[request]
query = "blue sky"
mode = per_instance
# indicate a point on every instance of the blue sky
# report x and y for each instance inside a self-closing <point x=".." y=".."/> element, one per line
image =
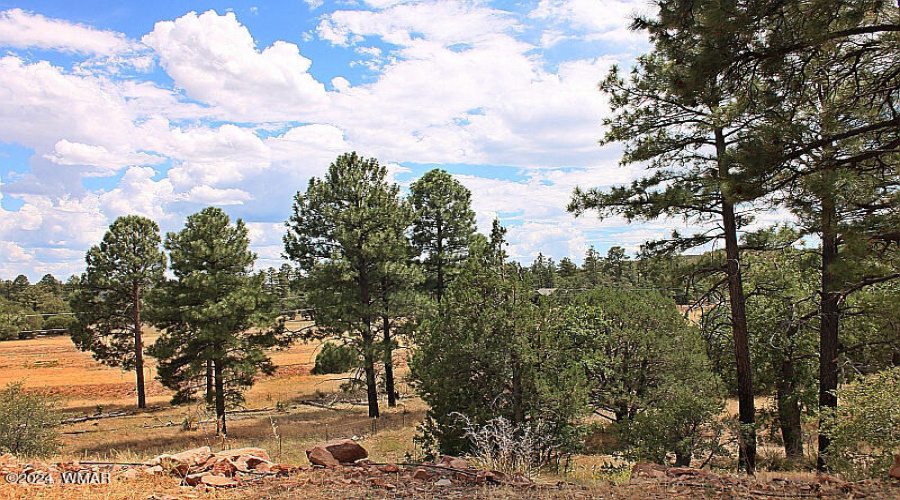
<point x="162" y="108"/>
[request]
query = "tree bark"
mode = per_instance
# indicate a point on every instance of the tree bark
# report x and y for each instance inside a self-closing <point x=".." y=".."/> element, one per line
<point x="389" y="364"/>
<point x="220" y="400"/>
<point x="829" y="323"/>
<point x="210" y="389"/>
<point x="138" y="348"/>
<point x="369" y="368"/>
<point x="789" y="411"/>
<point x="746" y="405"/>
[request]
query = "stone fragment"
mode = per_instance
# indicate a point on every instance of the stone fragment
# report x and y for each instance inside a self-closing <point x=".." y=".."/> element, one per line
<point x="193" y="457"/>
<point x="389" y="468"/>
<point x="256" y="452"/>
<point x="320" y="456"/>
<point x="195" y="479"/>
<point x="422" y="474"/>
<point x="443" y="482"/>
<point x="249" y="462"/>
<point x="453" y="462"/>
<point x="223" y="467"/>
<point x="129" y="474"/>
<point x="218" y="481"/>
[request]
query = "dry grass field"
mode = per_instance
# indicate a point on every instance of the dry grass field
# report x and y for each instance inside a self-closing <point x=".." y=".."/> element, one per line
<point x="286" y="426"/>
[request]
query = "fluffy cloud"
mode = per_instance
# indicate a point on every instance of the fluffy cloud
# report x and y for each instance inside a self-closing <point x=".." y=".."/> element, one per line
<point x="214" y="58"/>
<point x="244" y="126"/>
<point x="23" y="30"/>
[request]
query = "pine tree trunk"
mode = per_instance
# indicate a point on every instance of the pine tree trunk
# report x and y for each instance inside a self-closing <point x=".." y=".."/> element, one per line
<point x="746" y="405"/>
<point x="220" y="399"/>
<point x="369" y="368"/>
<point x="389" y="364"/>
<point x="789" y="411"/>
<point x="210" y="389"/>
<point x="829" y="323"/>
<point x="138" y="348"/>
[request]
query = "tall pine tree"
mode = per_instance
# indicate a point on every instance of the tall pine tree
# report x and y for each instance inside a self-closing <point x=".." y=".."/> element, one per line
<point x="214" y="312"/>
<point x="443" y="224"/>
<point x="111" y="294"/>
<point x="347" y="233"/>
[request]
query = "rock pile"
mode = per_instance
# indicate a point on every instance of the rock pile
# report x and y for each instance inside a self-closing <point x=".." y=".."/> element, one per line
<point x="223" y="469"/>
<point x="348" y="458"/>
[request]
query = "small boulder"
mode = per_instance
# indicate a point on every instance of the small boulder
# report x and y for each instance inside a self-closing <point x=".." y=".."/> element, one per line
<point x="895" y="470"/>
<point x="646" y="469"/>
<point x="345" y="451"/>
<point x="342" y="451"/>
<point x="320" y="456"/>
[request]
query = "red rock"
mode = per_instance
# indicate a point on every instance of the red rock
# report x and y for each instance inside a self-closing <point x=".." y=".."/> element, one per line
<point x="129" y="474"/>
<point x="224" y="467"/>
<point x="645" y="469"/>
<point x="195" y="479"/>
<point x="320" y="456"/>
<point x="234" y="454"/>
<point x="389" y="468"/>
<point x="422" y="474"/>
<point x="895" y="470"/>
<point x="280" y="469"/>
<point x="345" y="451"/>
<point x="193" y="457"/>
<point x="218" y="481"/>
<point x="249" y="462"/>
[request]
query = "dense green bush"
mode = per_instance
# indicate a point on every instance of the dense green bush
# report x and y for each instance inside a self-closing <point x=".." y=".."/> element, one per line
<point x="27" y="422"/>
<point x="334" y="358"/>
<point x="646" y="368"/>
<point x="488" y="353"/>
<point x="865" y="427"/>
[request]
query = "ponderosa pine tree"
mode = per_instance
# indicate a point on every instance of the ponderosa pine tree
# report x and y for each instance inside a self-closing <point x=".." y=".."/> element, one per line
<point x="214" y="312"/>
<point x="347" y="232"/>
<point x="443" y="224"/>
<point x="828" y="148"/>
<point x="684" y="115"/>
<point x="112" y="292"/>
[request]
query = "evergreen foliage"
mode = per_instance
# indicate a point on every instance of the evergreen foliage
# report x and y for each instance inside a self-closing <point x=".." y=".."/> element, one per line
<point x="443" y="224"/>
<point x="488" y="353"/>
<point x="217" y="320"/>
<point x="347" y="232"/>
<point x="27" y="422"/>
<point x="112" y="292"/>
